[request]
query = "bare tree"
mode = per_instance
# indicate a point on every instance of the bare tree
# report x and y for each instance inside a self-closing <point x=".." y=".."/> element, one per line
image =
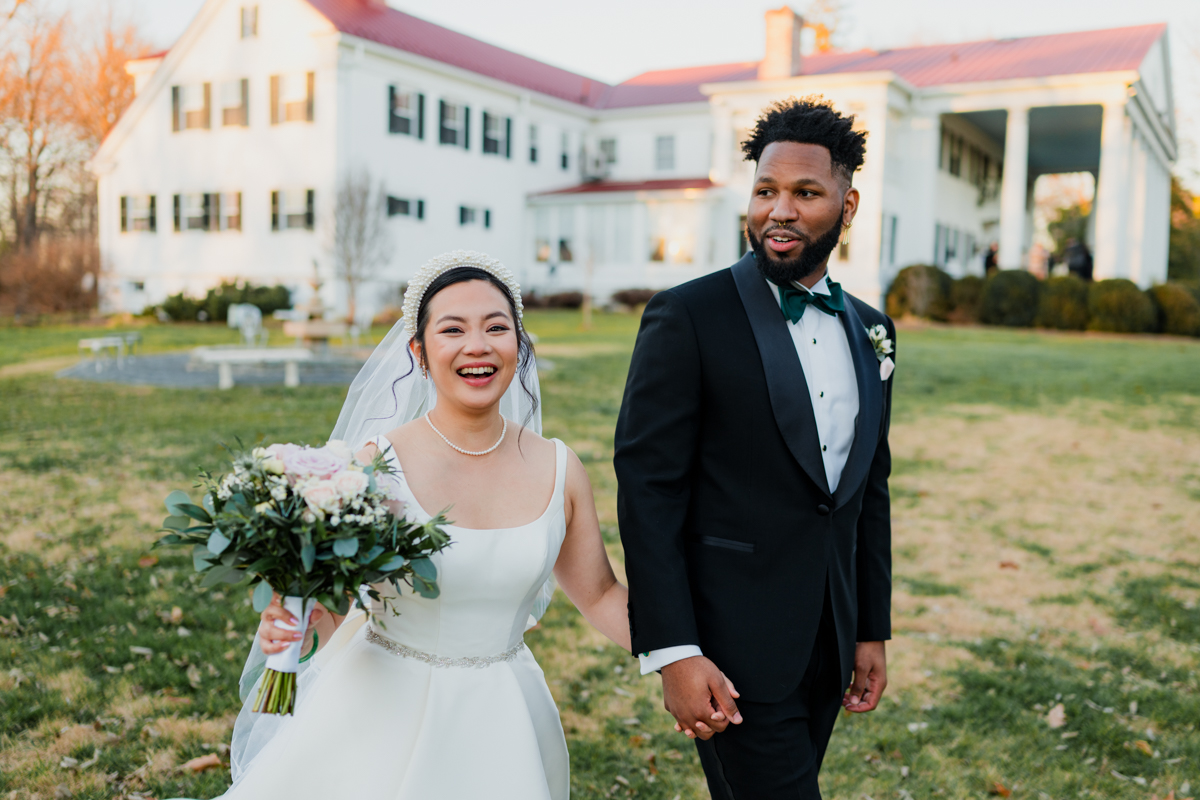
<point x="360" y="241"/>
<point x="827" y="19"/>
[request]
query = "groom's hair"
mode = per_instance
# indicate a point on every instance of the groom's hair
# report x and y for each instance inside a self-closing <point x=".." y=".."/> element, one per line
<point x="810" y="120"/>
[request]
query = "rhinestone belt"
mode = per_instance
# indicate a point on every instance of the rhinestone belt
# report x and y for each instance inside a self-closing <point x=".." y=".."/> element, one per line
<point x="476" y="662"/>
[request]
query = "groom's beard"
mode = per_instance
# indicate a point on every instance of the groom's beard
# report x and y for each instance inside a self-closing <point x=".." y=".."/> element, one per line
<point x="784" y="271"/>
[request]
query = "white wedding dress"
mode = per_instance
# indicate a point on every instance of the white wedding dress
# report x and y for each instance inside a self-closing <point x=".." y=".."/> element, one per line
<point x="445" y="702"/>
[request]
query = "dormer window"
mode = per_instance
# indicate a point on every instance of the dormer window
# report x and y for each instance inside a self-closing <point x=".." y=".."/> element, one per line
<point x="249" y="22"/>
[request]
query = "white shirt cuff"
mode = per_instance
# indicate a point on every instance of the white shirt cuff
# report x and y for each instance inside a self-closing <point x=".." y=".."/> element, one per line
<point x="657" y="659"/>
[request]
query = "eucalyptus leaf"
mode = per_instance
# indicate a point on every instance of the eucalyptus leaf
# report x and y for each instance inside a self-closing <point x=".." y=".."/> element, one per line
<point x="372" y="554"/>
<point x="193" y="511"/>
<point x="346" y="548"/>
<point x="207" y="502"/>
<point x="262" y="596"/>
<point x="217" y="542"/>
<point x="169" y="539"/>
<point x="222" y="574"/>
<point x="425" y="569"/>
<point x="308" y="554"/>
<point x="202" y="557"/>
<point x="177" y="523"/>
<point x="427" y="589"/>
<point x="394" y="563"/>
<point x="174" y="500"/>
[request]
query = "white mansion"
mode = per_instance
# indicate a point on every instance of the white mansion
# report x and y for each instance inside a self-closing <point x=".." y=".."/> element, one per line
<point x="227" y="163"/>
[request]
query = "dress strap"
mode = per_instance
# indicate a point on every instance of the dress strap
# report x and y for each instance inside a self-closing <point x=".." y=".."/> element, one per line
<point x="560" y="471"/>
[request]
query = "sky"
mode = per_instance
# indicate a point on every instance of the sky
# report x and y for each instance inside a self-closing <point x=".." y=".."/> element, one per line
<point x="617" y="39"/>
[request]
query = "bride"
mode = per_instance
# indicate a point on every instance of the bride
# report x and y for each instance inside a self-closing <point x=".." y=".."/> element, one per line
<point x="439" y="698"/>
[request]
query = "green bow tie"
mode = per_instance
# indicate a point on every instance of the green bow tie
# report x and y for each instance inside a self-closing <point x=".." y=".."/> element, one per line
<point x="793" y="301"/>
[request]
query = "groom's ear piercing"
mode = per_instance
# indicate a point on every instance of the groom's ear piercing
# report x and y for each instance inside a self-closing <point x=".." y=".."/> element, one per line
<point x="846" y="233"/>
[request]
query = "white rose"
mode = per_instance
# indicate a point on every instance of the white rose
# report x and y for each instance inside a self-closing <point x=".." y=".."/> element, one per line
<point x="321" y="496"/>
<point x="350" y="484"/>
<point x="340" y="449"/>
<point x="259" y="452"/>
<point x="273" y="466"/>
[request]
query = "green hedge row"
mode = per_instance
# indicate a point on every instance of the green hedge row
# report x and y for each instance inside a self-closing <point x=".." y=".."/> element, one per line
<point x="214" y="306"/>
<point x="1016" y="298"/>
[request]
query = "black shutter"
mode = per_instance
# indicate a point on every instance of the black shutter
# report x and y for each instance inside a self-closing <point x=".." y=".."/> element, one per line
<point x="124" y="214"/>
<point x="245" y="102"/>
<point x="309" y="215"/>
<point x="488" y="144"/>
<point x="508" y="137"/>
<point x="420" y="209"/>
<point x="462" y="215"/>
<point x="178" y="212"/>
<point x="391" y="109"/>
<point x="487" y="218"/>
<point x="420" y="116"/>
<point x="274" y="211"/>
<point x="445" y="135"/>
<point x="466" y="129"/>
<point x="153" y="216"/>
<point x="175" y="109"/>
<point x="206" y="212"/>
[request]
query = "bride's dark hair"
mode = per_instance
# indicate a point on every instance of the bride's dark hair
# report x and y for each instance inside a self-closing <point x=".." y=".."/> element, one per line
<point x="524" y="343"/>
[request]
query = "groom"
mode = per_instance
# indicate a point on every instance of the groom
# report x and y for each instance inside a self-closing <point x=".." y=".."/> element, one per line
<point x="752" y="462"/>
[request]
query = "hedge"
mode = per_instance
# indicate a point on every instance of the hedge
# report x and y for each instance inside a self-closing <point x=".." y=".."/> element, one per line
<point x="920" y="290"/>
<point x="215" y="305"/>
<point x="966" y="297"/>
<point x="1119" y="306"/>
<point x="1178" y="310"/>
<point x="1064" y="304"/>
<point x="1010" y="298"/>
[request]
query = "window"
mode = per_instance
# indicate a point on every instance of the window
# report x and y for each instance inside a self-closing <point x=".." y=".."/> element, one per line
<point x="292" y="97"/>
<point x="566" y="147"/>
<point x="454" y="125"/>
<point x="497" y="131"/>
<point x="190" y="106"/>
<point x="566" y="234"/>
<point x="235" y="102"/>
<point x="406" y="112"/>
<point x="137" y="213"/>
<point x="199" y="211"/>
<point x="664" y="152"/>
<point x="608" y="150"/>
<point x="249" y="22"/>
<point x="229" y="211"/>
<point x="292" y="208"/>
<point x="533" y="144"/>
<point x="672" y="228"/>
<point x="403" y="207"/>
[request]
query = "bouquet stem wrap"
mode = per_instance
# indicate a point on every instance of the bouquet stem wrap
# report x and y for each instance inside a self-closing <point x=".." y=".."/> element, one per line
<point x="277" y="695"/>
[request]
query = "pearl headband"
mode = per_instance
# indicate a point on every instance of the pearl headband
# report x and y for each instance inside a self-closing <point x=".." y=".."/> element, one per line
<point x="455" y="259"/>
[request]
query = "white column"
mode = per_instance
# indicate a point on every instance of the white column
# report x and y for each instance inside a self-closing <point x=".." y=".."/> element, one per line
<point x="722" y="145"/>
<point x="1013" y="189"/>
<point x="1111" y="193"/>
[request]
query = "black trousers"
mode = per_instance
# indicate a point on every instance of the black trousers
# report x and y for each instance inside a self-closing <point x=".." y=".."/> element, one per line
<point x="777" y="751"/>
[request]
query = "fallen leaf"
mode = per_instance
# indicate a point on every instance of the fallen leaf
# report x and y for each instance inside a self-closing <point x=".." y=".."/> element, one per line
<point x="1000" y="789"/>
<point x="637" y="741"/>
<point x="201" y="763"/>
<point x="1009" y="565"/>
<point x="176" y="615"/>
<point x="1144" y="746"/>
<point x="1056" y="717"/>
<point x="147" y="561"/>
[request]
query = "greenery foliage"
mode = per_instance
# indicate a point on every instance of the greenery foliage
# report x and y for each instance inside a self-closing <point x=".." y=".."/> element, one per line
<point x="1064" y="304"/>
<point x="1183" y="258"/>
<point x="966" y="299"/>
<point x="215" y="304"/>
<point x="1119" y="306"/>
<point x="1010" y="298"/>
<point x="1071" y="223"/>
<point x="1178" y="309"/>
<point x="920" y="290"/>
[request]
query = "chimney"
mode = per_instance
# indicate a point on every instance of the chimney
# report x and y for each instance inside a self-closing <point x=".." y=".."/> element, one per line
<point x="782" y="59"/>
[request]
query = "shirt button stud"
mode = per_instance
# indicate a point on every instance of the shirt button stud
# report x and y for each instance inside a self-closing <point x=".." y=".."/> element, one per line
<point x="822" y="394"/>
<point x="823" y="510"/>
<point x="823" y="448"/>
<point x="814" y="341"/>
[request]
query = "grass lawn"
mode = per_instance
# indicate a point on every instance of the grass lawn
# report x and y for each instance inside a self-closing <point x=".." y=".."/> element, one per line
<point x="1047" y="551"/>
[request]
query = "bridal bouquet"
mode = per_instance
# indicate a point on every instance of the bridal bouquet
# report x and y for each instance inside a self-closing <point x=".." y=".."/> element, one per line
<point x="312" y="524"/>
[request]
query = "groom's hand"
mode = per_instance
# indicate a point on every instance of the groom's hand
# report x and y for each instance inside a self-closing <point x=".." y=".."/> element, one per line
<point x="699" y="696"/>
<point x="870" y="677"/>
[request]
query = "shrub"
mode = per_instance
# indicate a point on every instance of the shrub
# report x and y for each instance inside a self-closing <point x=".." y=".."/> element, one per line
<point x="922" y="291"/>
<point x="634" y="297"/>
<point x="564" y="300"/>
<point x="965" y="297"/>
<point x="267" y="298"/>
<point x="1118" y="305"/>
<point x="182" y="308"/>
<point x="1010" y="297"/>
<point x="1064" y="304"/>
<point x="1177" y="308"/>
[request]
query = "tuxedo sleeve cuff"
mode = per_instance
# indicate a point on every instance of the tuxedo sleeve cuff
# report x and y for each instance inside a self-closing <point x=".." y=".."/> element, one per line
<point x="657" y="659"/>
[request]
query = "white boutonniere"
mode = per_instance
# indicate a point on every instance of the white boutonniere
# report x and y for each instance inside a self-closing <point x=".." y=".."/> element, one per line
<point x="883" y="348"/>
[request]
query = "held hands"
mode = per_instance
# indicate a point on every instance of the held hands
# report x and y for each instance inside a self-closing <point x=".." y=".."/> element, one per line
<point x="870" y="678"/>
<point x="274" y="639"/>
<point x="699" y="696"/>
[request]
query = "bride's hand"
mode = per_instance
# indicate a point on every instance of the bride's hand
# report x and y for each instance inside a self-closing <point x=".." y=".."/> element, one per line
<point x="275" y="639"/>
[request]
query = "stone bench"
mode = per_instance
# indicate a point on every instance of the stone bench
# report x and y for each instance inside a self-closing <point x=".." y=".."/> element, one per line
<point x="225" y="360"/>
<point x="100" y="345"/>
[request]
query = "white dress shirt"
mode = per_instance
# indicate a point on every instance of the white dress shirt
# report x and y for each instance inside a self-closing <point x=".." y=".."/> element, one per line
<point x="824" y="352"/>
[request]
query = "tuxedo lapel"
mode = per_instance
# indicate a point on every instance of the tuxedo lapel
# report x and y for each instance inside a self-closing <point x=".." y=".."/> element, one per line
<point x="786" y="385"/>
<point x="870" y="406"/>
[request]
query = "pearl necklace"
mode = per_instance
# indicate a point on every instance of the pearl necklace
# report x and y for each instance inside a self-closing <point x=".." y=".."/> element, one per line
<point x="503" y="431"/>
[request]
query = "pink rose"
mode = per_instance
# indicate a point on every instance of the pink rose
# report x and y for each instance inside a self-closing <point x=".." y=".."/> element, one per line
<point x="322" y="497"/>
<point x="313" y="462"/>
<point x="283" y="450"/>
<point x="350" y="484"/>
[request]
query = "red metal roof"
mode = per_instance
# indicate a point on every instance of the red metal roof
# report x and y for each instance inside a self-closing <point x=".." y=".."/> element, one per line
<point x="933" y="65"/>
<point x="635" y="186"/>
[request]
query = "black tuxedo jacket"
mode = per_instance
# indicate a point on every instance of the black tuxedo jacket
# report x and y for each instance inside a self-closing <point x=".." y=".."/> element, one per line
<point x="730" y="531"/>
